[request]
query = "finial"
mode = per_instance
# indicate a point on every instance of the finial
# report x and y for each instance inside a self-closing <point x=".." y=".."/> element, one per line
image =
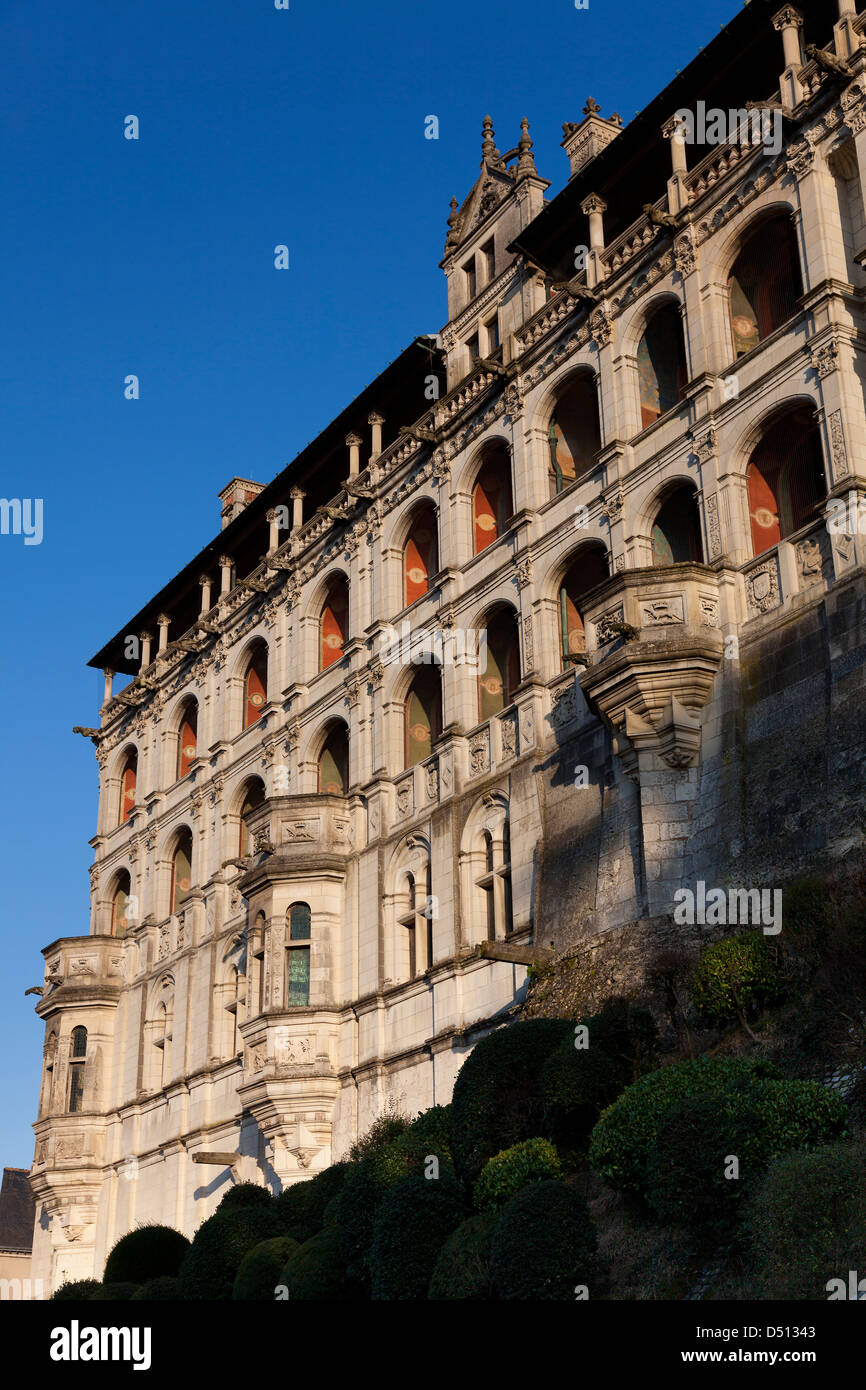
<point x="526" y="163"/>
<point x="488" y="145"/>
<point x="592" y="108"/>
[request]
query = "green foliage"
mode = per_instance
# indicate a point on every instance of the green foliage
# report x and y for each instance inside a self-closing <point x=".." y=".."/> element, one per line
<point x="735" y="974"/>
<point x="301" y="1207"/>
<point x="260" y="1268"/>
<point x="578" y="1082"/>
<point x="806" y="1223"/>
<point x="245" y="1194"/>
<point x="362" y="1192"/>
<point x="316" y="1271"/>
<point x="497" y="1097"/>
<point x="77" y="1291"/>
<point x="121" y="1291"/>
<point x="414" y="1220"/>
<point x="331" y="1214"/>
<point x="146" y="1253"/>
<point x="164" y="1289"/>
<point x="544" y="1245"/>
<point x="219" y="1246"/>
<point x="514" y="1168"/>
<point x="687" y="1165"/>
<point x="797" y="1115"/>
<point x="379" y="1135"/>
<point x="463" y="1266"/>
<point x="626" y="1131"/>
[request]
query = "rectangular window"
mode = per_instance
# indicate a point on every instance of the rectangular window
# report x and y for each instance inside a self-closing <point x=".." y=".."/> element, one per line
<point x="473" y="348"/>
<point x="491" y="911"/>
<point x="489" y="259"/>
<point x="471" y="282"/>
<point x="76" y="1087"/>
<point x="412" y="957"/>
<point x="491" y="331"/>
<point x="299" y="976"/>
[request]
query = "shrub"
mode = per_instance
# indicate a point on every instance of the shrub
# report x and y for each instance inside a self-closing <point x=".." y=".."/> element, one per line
<point x="626" y="1131"/>
<point x="544" y="1245"/>
<point x="218" y="1247"/>
<point x="245" y="1194"/>
<point x="259" y="1270"/>
<point x="734" y="975"/>
<point x="316" y="1271"/>
<point x="146" y="1253"/>
<point x="514" y="1168"/>
<point x="301" y="1207"/>
<point x="686" y="1167"/>
<point x="387" y="1127"/>
<point x="463" y="1267"/>
<point x="414" y="1220"/>
<point x="806" y="1222"/>
<point x="331" y="1214"/>
<point x="76" y="1290"/>
<point x="121" y="1291"/>
<point x="497" y="1098"/>
<point x="429" y="1134"/>
<point x="797" y="1115"/>
<point x="362" y="1192"/>
<point x="163" y="1289"/>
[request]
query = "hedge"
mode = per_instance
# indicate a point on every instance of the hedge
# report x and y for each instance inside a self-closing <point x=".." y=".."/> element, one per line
<point x="514" y="1168"/>
<point x="463" y="1266"/>
<point x="316" y="1271"/>
<point x="497" y="1100"/>
<point x="218" y="1247"/>
<point x="259" y="1271"/>
<point x="544" y="1246"/>
<point x="146" y="1253"/>
<point x="245" y="1194"/>
<point x="163" y="1289"/>
<point x="76" y="1290"/>
<point x="414" y="1220"/>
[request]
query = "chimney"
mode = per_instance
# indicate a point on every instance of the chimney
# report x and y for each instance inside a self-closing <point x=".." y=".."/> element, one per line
<point x="584" y="141"/>
<point x="235" y="496"/>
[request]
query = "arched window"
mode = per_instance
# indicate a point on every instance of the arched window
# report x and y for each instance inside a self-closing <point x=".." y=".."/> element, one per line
<point x="765" y="283"/>
<point x="120" y="906"/>
<point x="586" y="571"/>
<point x="253" y="797"/>
<point x="494" y="882"/>
<point x="181" y="870"/>
<point x="334" y="623"/>
<point x="574" y="435"/>
<point x="500" y="677"/>
<point x="77" y="1062"/>
<point x="334" y="762"/>
<point x="256" y="685"/>
<point x="786" y="479"/>
<point x="420" y="555"/>
<point x="415" y="917"/>
<point x="661" y="361"/>
<point x="235" y="1008"/>
<point x="676" y="533"/>
<point x="186" y="739"/>
<point x="127" y="786"/>
<point x="298" y="955"/>
<point x="491" y="498"/>
<point x="423" y="715"/>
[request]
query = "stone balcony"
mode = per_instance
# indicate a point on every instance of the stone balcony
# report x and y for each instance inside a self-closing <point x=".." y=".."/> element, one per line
<point x="82" y="970"/>
<point x="312" y="830"/>
<point x="653" y="647"/>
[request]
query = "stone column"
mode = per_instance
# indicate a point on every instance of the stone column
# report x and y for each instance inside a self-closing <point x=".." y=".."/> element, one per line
<point x="225" y="564"/>
<point x="206" y="584"/>
<point x="146" y="639"/>
<point x="297" y="497"/>
<point x="109" y="681"/>
<point x="353" y="442"/>
<point x="846" y="38"/>
<point x="787" y="22"/>
<point x="594" y="208"/>
<point x="273" y="530"/>
<point x="375" y="422"/>
<point x="678" y="196"/>
<point x="163" y="623"/>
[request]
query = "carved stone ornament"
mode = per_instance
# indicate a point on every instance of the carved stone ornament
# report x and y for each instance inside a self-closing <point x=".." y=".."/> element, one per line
<point x="762" y="588"/>
<point x="825" y="359"/>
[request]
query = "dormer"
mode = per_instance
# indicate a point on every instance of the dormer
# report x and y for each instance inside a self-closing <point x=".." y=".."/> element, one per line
<point x="506" y="196"/>
<point x="582" y="141"/>
<point x="235" y="496"/>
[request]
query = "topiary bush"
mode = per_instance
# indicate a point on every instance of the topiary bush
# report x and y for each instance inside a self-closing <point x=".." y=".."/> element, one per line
<point x="245" y="1194"/>
<point x="146" y="1253"/>
<point x="735" y="975"/>
<point x="164" y="1289"/>
<point x="119" y="1292"/>
<point x="627" y="1130"/>
<point x="514" y="1168"/>
<point x="428" y="1135"/>
<point x="497" y="1100"/>
<point x="806" y="1223"/>
<point x="544" y="1246"/>
<point x="797" y="1115"/>
<point x="316" y="1271"/>
<point x="414" y="1220"/>
<point x="689" y="1179"/>
<point x="301" y="1207"/>
<point x="463" y="1266"/>
<point x="76" y="1290"/>
<point x="362" y="1192"/>
<point x="259" y="1270"/>
<point x="219" y="1246"/>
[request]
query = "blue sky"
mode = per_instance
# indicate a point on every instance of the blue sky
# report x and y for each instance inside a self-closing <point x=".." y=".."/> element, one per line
<point x="155" y="257"/>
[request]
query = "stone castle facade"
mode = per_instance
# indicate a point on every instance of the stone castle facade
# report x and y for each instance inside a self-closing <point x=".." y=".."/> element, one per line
<point x="551" y="621"/>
